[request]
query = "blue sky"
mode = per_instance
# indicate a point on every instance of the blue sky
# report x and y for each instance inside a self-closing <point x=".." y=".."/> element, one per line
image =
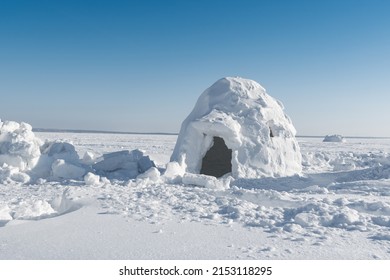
<point x="141" y="65"/>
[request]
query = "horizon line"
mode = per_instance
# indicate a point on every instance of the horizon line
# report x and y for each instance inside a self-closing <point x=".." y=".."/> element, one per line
<point x="59" y="130"/>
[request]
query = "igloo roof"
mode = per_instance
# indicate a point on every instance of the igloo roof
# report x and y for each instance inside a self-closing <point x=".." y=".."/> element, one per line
<point x="252" y="124"/>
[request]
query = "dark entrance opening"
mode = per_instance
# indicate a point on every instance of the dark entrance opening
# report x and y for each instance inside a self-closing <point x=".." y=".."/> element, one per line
<point x="218" y="160"/>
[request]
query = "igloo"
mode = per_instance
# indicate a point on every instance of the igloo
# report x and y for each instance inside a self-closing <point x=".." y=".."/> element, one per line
<point x="237" y="128"/>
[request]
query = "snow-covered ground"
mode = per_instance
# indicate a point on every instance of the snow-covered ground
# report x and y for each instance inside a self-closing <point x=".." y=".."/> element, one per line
<point x="338" y="209"/>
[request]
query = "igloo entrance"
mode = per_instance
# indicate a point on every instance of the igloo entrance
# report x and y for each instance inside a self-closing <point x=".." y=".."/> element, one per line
<point x="218" y="159"/>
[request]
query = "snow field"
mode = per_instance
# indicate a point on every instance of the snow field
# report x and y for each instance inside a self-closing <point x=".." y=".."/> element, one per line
<point x="343" y="198"/>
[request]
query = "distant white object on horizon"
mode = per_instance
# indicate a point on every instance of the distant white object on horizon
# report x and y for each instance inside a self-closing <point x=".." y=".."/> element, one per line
<point x="237" y="127"/>
<point x="334" y="138"/>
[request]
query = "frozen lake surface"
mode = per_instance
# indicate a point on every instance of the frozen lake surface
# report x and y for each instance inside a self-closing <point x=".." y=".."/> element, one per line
<point x="338" y="209"/>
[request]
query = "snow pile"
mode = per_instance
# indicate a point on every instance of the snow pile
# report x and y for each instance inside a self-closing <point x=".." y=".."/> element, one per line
<point x="251" y="123"/>
<point x="334" y="138"/>
<point x="25" y="158"/>
<point x="59" y="161"/>
<point x="18" y="146"/>
<point x="19" y="151"/>
<point x="30" y="210"/>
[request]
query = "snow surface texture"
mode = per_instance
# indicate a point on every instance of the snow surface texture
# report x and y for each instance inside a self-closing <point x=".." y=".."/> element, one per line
<point x="338" y="209"/>
<point x="334" y="138"/>
<point x="252" y="124"/>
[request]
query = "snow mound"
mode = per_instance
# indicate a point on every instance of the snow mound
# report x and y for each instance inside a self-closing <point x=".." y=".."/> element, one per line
<point x="60" y="150"/>
<point x="18" y="145"/>
<point x="25" y="158"/>
<point x="59" y="161"/>
<point x="33" y="210"/>
<point x="64" y="170"/>
<point x="334" y="138"/>
<point x="252" y="124"/>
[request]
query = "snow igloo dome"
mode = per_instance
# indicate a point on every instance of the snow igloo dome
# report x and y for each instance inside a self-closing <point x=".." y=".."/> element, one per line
<point x="237" y="128"/>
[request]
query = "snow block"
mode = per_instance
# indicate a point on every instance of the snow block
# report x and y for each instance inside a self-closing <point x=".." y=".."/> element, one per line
<point x="173" y="170"/>
<point x="152" y="174"/>
<point x="91" y="179"/>
<point x="145" y="164"/>
<point x="237" y="127"/>
<point x="123" y="164"/>
<point x="50" y="153"/>
<point x="58" y="149"/>
<point x="119" y="160"/>
<point x="88" y="158"/>
<point x="64" y="170"/>
<point x="202" y="180"/>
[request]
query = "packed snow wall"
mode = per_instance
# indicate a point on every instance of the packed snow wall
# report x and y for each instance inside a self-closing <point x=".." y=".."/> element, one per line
<point x="252" y="125"/>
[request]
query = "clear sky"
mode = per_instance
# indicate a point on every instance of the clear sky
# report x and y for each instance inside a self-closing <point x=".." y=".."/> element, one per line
<point x="140" y="65"/>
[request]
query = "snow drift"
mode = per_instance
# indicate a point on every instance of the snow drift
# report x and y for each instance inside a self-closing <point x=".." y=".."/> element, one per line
<point x="256" y="136"/>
